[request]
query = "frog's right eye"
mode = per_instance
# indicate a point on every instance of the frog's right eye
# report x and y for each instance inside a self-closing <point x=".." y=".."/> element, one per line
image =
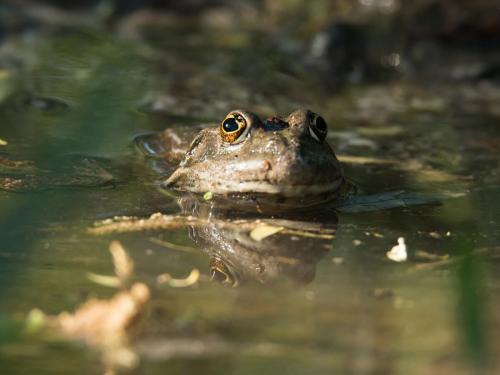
<point x="234" y="128"/>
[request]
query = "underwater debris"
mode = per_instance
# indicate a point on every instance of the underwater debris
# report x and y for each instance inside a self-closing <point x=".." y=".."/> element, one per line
<point x="191" y="279"/>
<point x="102" y="324"/>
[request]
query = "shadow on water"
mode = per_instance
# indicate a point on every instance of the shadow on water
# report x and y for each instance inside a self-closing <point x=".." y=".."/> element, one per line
<point x="472" y="303"/>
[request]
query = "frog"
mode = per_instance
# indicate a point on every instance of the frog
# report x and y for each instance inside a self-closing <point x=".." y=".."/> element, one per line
<point x="268" y="175"/>
<point x="281" y="163"/>
<point x="283" y="168"/>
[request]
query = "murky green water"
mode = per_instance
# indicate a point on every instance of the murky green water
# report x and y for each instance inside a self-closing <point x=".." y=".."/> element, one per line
<point x="361" y="314"/>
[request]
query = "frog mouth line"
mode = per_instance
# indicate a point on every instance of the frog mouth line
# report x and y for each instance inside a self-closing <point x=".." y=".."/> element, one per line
<point x="258" y="187"/>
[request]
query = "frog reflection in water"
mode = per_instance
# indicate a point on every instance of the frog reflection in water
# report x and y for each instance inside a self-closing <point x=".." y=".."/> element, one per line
<point x="252" y="169"/>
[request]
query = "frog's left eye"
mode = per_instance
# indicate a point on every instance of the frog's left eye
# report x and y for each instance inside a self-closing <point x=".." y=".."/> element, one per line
<point x="234" y="128"/>
<point x="318" y="127"/>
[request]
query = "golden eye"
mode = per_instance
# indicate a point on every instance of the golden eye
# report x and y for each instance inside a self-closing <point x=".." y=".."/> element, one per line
<point x="317" y="127"/>
<point x="234" y="128"/>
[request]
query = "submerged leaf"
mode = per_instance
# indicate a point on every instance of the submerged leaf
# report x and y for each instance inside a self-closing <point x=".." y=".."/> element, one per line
<point x="105" y="280"/>
<point x="173" y="246"/>
<point x="124" y="266"/>
<point x="192" y="279"/>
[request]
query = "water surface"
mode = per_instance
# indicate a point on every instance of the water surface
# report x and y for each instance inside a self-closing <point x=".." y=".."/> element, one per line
<point x="89" y="95"/>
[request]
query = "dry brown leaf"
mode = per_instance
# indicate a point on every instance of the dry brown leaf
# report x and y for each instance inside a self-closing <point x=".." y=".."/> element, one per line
<point x="102" y="324"/>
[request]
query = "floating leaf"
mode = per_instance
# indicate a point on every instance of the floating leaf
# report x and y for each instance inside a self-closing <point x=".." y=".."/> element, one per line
<point x="398" y="253"/>
<point x="208" y="196"/>
<point x="264" y="231"/>
<point x="3" y="142"/>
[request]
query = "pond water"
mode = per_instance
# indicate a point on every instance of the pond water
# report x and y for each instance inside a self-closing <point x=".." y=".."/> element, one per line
<point x="74" y="111"/>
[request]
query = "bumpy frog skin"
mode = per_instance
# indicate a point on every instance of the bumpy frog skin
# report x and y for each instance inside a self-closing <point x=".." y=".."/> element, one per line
<point x="281" y="157"/>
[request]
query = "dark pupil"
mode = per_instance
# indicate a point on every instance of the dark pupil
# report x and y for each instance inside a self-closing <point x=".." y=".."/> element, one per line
<point x="320" y="124"/>
<point x="230" y="125"/>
